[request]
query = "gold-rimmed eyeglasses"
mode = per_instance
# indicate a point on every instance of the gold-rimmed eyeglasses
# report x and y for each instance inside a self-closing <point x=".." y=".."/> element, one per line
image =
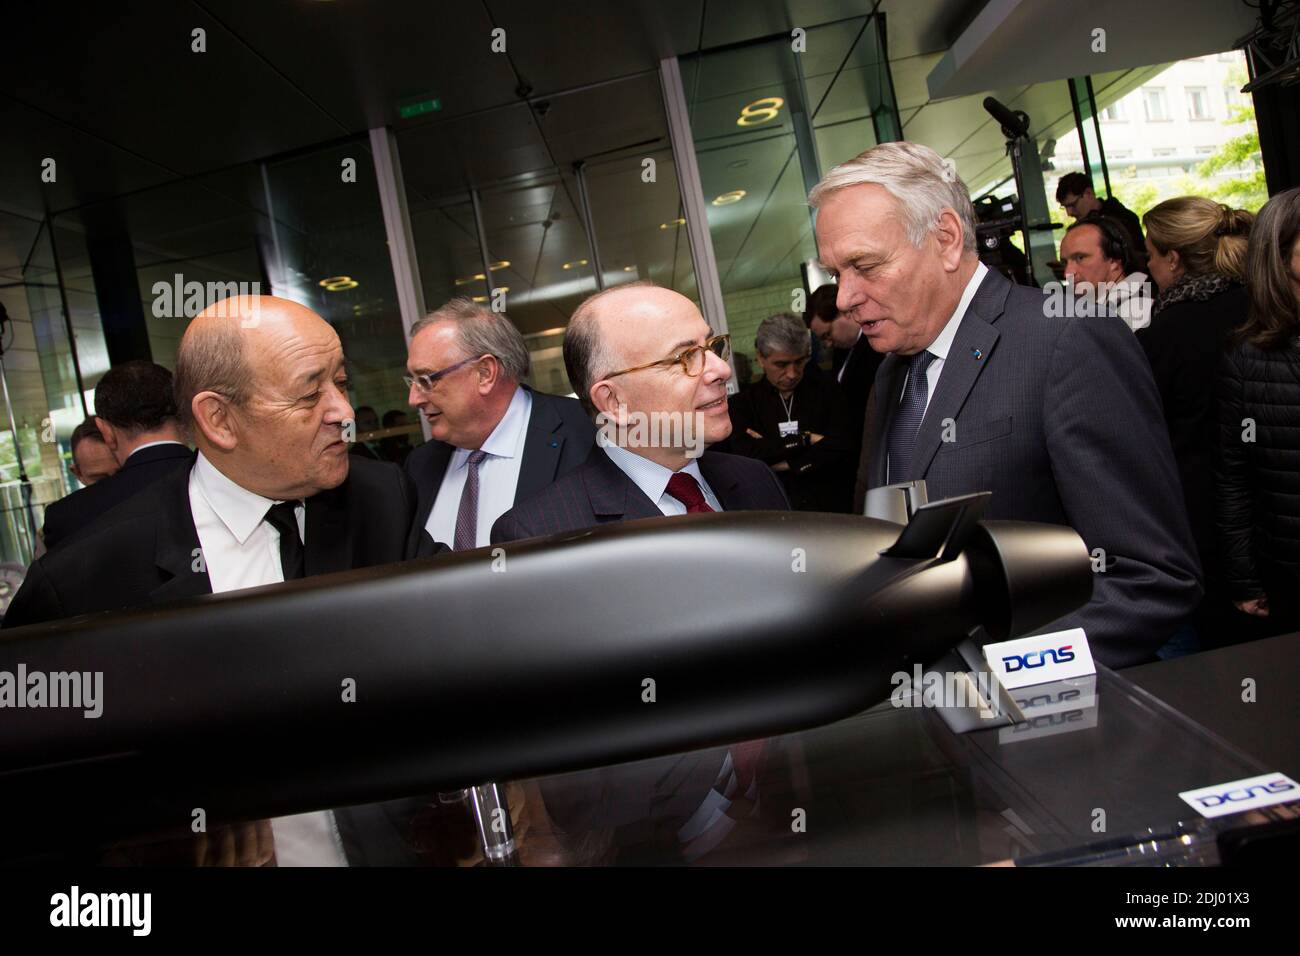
<point x="691" y="360"/>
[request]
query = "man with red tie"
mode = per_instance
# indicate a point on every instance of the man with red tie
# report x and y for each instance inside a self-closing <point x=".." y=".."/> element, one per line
<point x="645" y="364"/>
<point x="638" y="355"/>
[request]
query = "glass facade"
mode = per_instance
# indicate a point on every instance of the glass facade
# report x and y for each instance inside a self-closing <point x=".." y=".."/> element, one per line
<point x="768" y="120"/>
<point x="557" y="198"/>
<point x="533" y="205"/>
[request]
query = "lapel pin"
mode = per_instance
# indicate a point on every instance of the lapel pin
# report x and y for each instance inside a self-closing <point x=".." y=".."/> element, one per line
<point x="977" y="353"/>
<point x="555" y="444"/>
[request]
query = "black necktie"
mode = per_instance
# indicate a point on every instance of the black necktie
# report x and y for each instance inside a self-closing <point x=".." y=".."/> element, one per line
<point x="907" y="420"/>
<point x="292" y="555"/>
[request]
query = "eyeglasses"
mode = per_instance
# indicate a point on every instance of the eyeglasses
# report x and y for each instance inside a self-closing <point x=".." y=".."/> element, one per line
<point x="426" y="383"/>
<point x="691" y="360"/>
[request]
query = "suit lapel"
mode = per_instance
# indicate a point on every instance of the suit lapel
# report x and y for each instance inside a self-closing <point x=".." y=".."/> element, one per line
<point x="967" y="358"/>
<point x="728" y="488"/>
<point x="327" y="543"/>
<point x="889" y="383"/>
<point x="543" y="445"/>
<point x="176" y="543"/>
<point x="613" y="495"/>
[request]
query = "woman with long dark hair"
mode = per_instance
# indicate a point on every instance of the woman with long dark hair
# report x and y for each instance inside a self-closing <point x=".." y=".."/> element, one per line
<point x="1258" y="468"/>
<point x="1197" y="257"/>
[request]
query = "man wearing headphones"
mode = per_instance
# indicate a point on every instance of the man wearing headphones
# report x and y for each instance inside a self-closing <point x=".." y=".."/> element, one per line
<point x="1099" y="263"/>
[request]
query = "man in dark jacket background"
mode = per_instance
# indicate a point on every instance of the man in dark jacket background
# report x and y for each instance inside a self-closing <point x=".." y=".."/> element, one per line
<point x="136" y="416"/>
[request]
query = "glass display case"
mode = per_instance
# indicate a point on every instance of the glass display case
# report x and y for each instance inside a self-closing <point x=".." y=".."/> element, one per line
<point x="1094" y="780"/>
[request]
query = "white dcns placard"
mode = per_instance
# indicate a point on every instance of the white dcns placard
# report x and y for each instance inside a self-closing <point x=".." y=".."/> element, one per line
<point x="1041" y="658"/>
<point x="1239" y="795"/>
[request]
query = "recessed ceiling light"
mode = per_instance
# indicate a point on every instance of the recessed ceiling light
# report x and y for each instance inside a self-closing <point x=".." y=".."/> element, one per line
<point x="671" y="223"/>
<point x="738" y="164"/>
<point x="760" y="111"/>
<point x="726" y="199"/>
<point x="480" y="277"/>
<point x="574" y="264"/>
<point x="629" y="268"/>
<point x="483" y="298"/>
<point x="338" y="283"/>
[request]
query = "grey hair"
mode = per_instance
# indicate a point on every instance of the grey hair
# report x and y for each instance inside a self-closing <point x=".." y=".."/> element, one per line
<point x="922" y="181"/>
<point x="587" y="359"/>
<point x="782" y="332"/>
<point x="481" y="331"/>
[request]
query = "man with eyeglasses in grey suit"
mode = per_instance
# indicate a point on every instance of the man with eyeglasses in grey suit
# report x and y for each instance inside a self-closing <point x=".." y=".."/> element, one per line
<point x="495" y="440"/>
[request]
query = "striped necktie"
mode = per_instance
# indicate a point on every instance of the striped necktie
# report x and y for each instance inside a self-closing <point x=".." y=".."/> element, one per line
<point x="466" y="537"/>
<point x="907" y="420"/>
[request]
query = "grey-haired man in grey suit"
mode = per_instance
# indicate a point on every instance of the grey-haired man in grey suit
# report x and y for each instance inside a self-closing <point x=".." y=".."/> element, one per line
<point x="987" y="387"/>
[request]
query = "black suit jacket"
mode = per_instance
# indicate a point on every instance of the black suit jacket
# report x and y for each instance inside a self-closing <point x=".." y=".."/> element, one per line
<point x="80" y="509"/>
<point x="560" y="434"/>
<point x="859" y="374"/>
<point x="145" y="551"/>
<point x="598" y="492"/>
<point x="1059" y="417"/>
<point x="1186" y="344"/>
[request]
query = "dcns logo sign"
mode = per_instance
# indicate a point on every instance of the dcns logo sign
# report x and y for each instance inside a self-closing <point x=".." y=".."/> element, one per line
<point x="1245" y="793"/>
<point x="1060" y="655"/>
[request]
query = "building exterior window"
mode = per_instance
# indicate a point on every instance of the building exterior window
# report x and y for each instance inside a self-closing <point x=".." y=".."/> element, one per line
<point x="1114" y="112"/>
<point x="1198" y="103"/>
<point x="1153" y="99"/>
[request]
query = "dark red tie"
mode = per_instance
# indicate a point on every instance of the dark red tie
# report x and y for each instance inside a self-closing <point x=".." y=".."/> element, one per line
<point x="687" y="490"/>
<point x="745" y="757"/>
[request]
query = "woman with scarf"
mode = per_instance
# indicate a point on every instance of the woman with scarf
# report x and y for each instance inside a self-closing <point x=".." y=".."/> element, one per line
<point x="1258" y="471"/>
<point x="1197" y="257"/>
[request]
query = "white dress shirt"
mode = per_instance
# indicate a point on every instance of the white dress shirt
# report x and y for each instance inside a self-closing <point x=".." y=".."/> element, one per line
<point x="498" y="475"/>
<point x="1131" y="299"/>
<point x="839" y="376"/>
<point x="652" y="478"/>
<point x="943" y="341"/>
<point x="150" y="444"/>
<point x="241" y="550"/>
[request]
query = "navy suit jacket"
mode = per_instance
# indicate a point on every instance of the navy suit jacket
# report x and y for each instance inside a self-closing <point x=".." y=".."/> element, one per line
<point x="1060" y="418"/>
<point x="646" y="801"/>
<point x="598" y="492"/>
<point x="560" y="434"/>
<point x="67" y="516"/>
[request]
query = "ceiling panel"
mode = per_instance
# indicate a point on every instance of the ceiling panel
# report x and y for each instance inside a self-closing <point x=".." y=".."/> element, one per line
<point x="127" y="74"/>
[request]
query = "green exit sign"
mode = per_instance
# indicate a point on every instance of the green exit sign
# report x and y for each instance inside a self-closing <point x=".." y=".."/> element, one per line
<point x="419" y="107"/>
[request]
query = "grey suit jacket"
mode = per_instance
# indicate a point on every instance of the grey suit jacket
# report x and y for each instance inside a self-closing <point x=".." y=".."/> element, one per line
<point x="1060" y="419"/>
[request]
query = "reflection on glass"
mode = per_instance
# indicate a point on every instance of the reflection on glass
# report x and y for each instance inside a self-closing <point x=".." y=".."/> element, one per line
<point x="757" y="158"/>
<point x="330" y="253"/>
<point x="534" y="238"/>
